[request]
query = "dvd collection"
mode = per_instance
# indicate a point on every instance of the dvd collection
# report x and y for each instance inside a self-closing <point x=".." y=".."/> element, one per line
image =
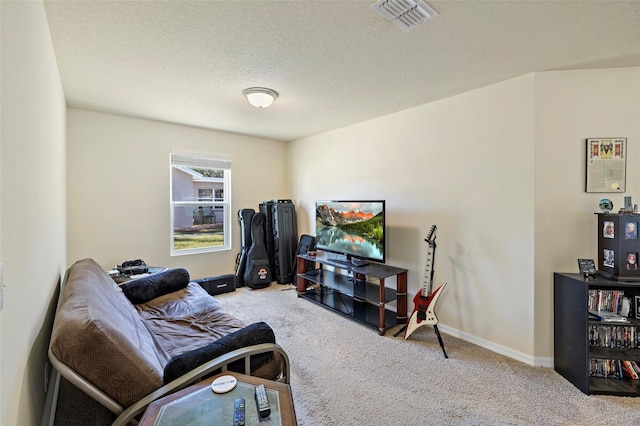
<point x="614" y="369"/>
<point x="605" y="300"/>
<point x="606" y="306"/>
<point x="611" y="336"/>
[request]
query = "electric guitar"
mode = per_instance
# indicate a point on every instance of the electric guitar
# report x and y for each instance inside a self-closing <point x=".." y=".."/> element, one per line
<point x="425" y="300"/>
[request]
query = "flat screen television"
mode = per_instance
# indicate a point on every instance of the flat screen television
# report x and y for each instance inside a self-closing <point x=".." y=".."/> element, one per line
<point x="353" y="228"/>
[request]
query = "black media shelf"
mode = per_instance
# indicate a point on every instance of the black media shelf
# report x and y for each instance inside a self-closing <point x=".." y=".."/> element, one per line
<point x="574" y="352"/>
<point x="629" y="354"/>
<point x="346" y="305"/>
<point x="360" y="289"/>
<point x="616" y="387"/>
<point x="357" y="292"/>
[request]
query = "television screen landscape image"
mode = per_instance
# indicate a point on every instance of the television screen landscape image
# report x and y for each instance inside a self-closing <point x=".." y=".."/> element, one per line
<point x="352" y="228"/>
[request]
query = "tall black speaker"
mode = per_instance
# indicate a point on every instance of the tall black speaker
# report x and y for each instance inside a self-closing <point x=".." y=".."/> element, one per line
<point x="281" y="216"/>
<point x="285" y="240"/>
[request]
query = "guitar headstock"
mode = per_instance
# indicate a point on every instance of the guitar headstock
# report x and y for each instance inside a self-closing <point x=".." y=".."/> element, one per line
<point x="430" y="238"/>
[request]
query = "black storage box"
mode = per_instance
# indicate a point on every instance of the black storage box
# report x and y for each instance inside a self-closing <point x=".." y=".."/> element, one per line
<point x="218" y="285"/>
<point x="618" y="246"/>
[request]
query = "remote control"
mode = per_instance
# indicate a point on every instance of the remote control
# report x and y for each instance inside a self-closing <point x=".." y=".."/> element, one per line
<point x="262" y="402"/>
<point x="238" y="412"/>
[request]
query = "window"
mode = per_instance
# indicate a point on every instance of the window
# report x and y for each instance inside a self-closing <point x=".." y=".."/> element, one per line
<point x="200" y="203"/>
<point x="205" y="194"/>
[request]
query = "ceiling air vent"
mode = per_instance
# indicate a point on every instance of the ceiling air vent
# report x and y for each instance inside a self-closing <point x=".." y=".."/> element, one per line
<point x="407" y="14"/>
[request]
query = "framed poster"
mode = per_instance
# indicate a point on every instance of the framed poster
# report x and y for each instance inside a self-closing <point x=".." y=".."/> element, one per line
<point x="606" y="165"/>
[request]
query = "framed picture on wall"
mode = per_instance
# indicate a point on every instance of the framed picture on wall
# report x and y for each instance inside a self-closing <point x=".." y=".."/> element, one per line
<point x="606" y="169"/>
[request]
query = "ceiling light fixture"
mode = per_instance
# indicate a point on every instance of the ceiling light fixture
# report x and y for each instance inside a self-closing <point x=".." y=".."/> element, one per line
<point x="407" y="14"/>
<point x="260" y="97"/>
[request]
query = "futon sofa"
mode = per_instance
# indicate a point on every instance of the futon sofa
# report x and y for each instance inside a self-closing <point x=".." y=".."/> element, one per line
<point x="129" y="344"/>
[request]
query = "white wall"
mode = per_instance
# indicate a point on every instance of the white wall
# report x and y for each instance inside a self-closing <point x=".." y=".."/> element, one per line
<point x="500" y="170"/>
<point x="118" y="187"/>
<point x="33" y="211"/>
<point x="466" y="164"/>
<point x="572" y="106"/>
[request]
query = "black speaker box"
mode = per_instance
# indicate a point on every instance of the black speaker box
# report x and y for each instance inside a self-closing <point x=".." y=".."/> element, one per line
<point x="218" y="285"/>
<point x="307" y="243"/>
<point x="285" y="240"/>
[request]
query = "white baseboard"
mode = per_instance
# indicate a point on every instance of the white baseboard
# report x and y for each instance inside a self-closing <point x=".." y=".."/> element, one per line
<point x="502" y="350"/>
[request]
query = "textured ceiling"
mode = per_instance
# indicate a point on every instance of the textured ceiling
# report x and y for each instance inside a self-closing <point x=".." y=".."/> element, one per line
<point x="334" y="63"/>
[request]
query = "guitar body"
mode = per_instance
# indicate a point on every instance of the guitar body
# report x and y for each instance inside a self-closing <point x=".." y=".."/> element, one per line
<point x="424" y="312"/>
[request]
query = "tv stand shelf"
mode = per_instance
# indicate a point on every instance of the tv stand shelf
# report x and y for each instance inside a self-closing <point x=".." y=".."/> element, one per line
<point x="354" y="295"/>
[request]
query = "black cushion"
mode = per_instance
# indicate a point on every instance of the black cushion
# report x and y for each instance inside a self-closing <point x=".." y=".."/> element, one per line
<point x="141" y="290"/>
<point x="253" y="334"/>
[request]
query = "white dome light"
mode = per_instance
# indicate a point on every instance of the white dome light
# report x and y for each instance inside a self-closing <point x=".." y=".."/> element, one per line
<point x="260" y="97"/>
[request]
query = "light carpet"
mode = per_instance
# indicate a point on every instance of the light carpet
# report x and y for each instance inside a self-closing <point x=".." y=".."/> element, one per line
<point x="344" y="373"/>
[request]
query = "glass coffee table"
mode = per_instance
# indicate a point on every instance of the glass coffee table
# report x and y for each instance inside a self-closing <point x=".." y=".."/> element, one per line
<point x="198" y="405"/>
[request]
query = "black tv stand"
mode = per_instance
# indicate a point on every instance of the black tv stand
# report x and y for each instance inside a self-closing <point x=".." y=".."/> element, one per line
<point x="351" y="261"/>
<point x="360" y="293"/>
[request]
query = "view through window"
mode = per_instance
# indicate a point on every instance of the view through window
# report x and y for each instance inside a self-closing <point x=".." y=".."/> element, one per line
<point x="200" y="203"/>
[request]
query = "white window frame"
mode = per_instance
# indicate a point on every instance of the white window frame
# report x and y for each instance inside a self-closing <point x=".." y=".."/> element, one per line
<point x="204" y="161"/>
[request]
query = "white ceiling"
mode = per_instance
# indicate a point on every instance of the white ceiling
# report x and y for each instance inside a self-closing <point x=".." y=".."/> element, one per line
<point x="334" y="63"/>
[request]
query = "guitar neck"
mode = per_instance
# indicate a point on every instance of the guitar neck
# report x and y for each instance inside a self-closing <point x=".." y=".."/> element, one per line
<point x="427" y="282"/>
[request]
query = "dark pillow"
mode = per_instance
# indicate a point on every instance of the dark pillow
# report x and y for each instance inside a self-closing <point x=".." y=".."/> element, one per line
<point x="141" y="290"/>
<point x="253" y="334"/>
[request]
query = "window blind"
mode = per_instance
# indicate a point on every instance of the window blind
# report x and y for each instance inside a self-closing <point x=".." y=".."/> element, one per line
<point x="201" y="160"/>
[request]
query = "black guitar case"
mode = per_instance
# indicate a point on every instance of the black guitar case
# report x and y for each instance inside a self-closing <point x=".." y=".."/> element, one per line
<point x="266" y="207"/>
<point x="281" y="237"/>
<point x="285" y="236"/>
<point x="257" y="273"/>
<point x="244" y="217"/>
